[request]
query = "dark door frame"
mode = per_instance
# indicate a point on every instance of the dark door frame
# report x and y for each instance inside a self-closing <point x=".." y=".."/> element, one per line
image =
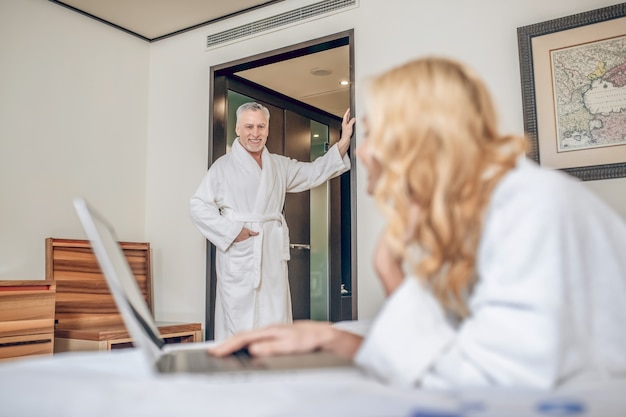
<point x="217" y="147"/>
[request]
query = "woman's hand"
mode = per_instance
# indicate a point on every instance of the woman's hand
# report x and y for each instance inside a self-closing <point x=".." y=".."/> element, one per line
<point x="299" y="337"/>
<point x="388" y="266"/>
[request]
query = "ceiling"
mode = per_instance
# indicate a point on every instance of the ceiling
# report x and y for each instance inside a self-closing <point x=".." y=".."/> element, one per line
<point x="315" y="79"/>
<point x="153" y="20"/>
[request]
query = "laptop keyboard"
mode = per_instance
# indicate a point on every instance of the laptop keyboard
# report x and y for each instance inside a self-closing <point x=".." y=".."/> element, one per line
<point x="202" y="361"/>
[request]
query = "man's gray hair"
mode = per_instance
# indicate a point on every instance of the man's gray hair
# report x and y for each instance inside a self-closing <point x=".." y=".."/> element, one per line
<point x="254" y="107"/>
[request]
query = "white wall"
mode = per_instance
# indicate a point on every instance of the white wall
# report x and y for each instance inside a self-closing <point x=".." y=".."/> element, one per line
<point x="73" y="121"/>
<point x="480" y="32"/>
<point x="87" y="109"/>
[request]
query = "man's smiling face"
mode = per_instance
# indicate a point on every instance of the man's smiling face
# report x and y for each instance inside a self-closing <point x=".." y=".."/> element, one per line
<point x="252" y="129"/>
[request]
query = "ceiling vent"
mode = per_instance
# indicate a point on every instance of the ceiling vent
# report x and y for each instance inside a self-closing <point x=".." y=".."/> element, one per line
<point x="306" y="12"/>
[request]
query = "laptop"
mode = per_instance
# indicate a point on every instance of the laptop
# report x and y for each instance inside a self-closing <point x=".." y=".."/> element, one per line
<point x="181" y="357"/>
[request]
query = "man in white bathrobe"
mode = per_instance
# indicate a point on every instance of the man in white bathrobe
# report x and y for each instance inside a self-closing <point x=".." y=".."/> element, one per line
<point x="238" y="207"/>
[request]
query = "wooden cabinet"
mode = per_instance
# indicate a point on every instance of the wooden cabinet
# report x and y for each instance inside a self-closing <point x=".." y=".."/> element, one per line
<point x="26" y="318"/>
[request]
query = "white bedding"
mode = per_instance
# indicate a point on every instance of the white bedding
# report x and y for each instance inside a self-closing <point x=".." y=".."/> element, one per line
<point x="121" y="383"/>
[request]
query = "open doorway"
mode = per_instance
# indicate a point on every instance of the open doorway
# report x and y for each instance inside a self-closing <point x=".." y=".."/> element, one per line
<point x="315" y="113"/>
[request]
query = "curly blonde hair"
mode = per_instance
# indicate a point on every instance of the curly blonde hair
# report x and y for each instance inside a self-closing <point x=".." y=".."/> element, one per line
<point x="432" y="128"/>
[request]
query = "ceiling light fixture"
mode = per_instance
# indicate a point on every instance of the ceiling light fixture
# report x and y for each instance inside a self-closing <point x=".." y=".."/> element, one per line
<point x="321" y="71"/>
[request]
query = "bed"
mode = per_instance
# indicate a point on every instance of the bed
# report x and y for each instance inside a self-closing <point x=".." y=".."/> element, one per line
<point x="122" y="383"/>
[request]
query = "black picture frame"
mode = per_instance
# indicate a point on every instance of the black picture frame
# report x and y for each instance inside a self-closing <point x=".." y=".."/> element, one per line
<point x="525" y="36"/>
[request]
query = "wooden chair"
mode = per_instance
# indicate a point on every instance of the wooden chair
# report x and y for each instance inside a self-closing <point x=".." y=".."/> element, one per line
<point x="86" y="317"/>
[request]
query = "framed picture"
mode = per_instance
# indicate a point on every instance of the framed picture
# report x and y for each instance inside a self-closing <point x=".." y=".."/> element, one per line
<point x="573" y="74"/>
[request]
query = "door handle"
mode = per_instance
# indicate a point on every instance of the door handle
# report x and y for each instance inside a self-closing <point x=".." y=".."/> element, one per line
<point x="299" y="246"/>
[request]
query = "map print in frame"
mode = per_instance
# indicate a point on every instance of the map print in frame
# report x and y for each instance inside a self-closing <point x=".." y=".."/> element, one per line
<point x="589" y="84"/>
<point x="569" y="69"/>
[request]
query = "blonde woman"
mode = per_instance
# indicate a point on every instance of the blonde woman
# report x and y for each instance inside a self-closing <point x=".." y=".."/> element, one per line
<point x="498" y="272"/>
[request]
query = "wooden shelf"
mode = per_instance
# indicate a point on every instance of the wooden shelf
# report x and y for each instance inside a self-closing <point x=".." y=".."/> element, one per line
<point x="26" y="318"/>
<point x="114" y="336"/>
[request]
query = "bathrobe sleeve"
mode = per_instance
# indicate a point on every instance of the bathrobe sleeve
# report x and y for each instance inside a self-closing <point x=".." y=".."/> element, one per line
<point x="408" y="334"/>
<point x="204" y="208"/>
<point x="302" y="176"/>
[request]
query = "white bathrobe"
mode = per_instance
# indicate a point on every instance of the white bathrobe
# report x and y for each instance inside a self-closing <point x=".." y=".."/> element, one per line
<point x="549" y="308"/>
<point x="252" y="281"/>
